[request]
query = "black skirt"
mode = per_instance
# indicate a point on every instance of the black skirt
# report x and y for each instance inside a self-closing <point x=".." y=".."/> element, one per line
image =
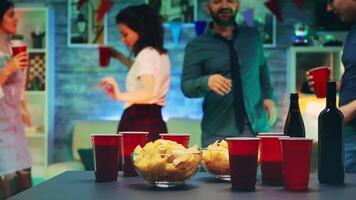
<point x="143" y="117"/>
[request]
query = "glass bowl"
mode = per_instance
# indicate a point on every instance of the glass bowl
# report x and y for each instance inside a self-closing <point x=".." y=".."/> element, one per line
<point x="167" y="169"/>
<point x="216" y="162"/>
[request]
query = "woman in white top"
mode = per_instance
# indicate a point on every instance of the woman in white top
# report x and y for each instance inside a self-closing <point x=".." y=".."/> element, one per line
<point x="15" y="159"/>
<point x="148" y="79"/>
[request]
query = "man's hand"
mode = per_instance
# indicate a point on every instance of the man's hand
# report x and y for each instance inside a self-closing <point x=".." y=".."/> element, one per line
<point x="219" y="84"/>
<point x="271" y="110"/>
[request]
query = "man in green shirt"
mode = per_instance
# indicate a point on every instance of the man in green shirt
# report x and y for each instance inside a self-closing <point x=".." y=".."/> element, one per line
<point x="227" y="67"/>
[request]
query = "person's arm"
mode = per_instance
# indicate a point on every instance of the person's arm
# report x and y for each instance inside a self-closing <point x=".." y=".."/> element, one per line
<point x="143" y="95"/>
<point x="4" y="74"/>
<point x="338" y="86"/>
<point x="349" y="111"/>
<point x="26" y="115"/>
<point x="193" y="83"/>
<point x="147" y="64"/>
<point x="265" y="78"/>
<point x="15" y="64"/>
<point x="267" y="89"/>
<point x="126" y="61"/>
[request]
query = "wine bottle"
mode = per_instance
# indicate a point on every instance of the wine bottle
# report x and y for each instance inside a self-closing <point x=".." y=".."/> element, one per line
<point x="294" y="125"/>
<point x="330" y="141"/>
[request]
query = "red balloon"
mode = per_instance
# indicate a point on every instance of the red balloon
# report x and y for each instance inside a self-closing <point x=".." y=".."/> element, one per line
<point x="104" y="7"/>
<point x="273" y="6"/>
<point x="81" y="3"/>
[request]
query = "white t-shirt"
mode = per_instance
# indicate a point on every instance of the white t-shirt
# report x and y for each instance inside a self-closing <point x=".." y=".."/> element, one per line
<point x="150" y="62"/>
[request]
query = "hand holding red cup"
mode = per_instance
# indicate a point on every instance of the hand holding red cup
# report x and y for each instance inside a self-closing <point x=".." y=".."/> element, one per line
<point x="19" y="51"/>
<point x="317" y="79"/>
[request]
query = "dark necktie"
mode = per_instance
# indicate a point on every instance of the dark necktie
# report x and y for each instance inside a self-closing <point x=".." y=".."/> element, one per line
<point x="236" y="82"/>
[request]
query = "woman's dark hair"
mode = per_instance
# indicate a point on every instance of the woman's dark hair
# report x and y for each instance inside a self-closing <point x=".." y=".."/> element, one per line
<point x="4" y="6"/>
<point x="146" y="22"/>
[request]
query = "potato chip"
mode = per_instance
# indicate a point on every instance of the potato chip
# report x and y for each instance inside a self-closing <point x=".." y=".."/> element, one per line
<point x="165" y="160"/>
<point x="216" y="158"/>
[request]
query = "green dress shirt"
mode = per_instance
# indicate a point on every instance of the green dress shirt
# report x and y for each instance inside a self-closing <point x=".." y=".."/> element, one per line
<point x="207" y="55"/>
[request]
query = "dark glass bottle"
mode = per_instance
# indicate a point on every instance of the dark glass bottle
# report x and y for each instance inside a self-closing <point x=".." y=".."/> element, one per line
<point x="294" y="126"/>
<point x="331" y="144"/>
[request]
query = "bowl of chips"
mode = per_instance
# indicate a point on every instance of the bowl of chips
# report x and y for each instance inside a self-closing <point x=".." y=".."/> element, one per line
<point x="216" y="160"/>
<point x="165" y="163"/>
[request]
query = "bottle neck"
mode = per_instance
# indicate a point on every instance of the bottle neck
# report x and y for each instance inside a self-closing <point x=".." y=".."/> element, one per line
<point x="331" y="95"/>
<point x="331" y="101"/>
<point x="294" y="105"/>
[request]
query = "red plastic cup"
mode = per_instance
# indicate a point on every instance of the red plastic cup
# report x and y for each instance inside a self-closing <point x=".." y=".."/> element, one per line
<point x="271" y="159"/>
<point x="266" y="134"/>
<point x="182" y="139"/>
<point x="106" y="156"/>
<point x="243" y="162"/>
<point x="296" y="153"/>
<point x="120" y="152"/>
<point x="130" y="140"/>
<point x="104" y="56"/>
<point x="19" y="49"/>
<point x="17" y="46"/>
<point x="321" y="76"/>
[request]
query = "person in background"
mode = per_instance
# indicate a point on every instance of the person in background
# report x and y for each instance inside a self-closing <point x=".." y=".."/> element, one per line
<point x="148" y="79"/>
<point x="227" y="67"/>
<point x="15" y="158"/>
<point x="346" y="10"/>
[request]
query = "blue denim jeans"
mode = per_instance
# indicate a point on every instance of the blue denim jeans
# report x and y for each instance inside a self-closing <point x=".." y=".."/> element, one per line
<point x="350" y="149"/>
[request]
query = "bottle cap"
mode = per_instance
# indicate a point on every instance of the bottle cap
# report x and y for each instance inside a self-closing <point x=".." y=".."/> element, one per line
<point x="294" y="96"/>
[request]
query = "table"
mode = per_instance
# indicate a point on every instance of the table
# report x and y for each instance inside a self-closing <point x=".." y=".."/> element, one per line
<point x="81" y="185"/>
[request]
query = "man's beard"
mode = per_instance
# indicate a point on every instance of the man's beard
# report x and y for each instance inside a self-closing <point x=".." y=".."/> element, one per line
<point x="224" y="22"/>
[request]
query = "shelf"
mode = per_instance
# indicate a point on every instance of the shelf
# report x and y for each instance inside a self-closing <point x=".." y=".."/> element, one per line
<point x="35" y="135"/>
<point x="316" y="49"/>
<point x="311" y="95"/>
<point x="32" y="92"/>
<point x="37" y="50"/>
